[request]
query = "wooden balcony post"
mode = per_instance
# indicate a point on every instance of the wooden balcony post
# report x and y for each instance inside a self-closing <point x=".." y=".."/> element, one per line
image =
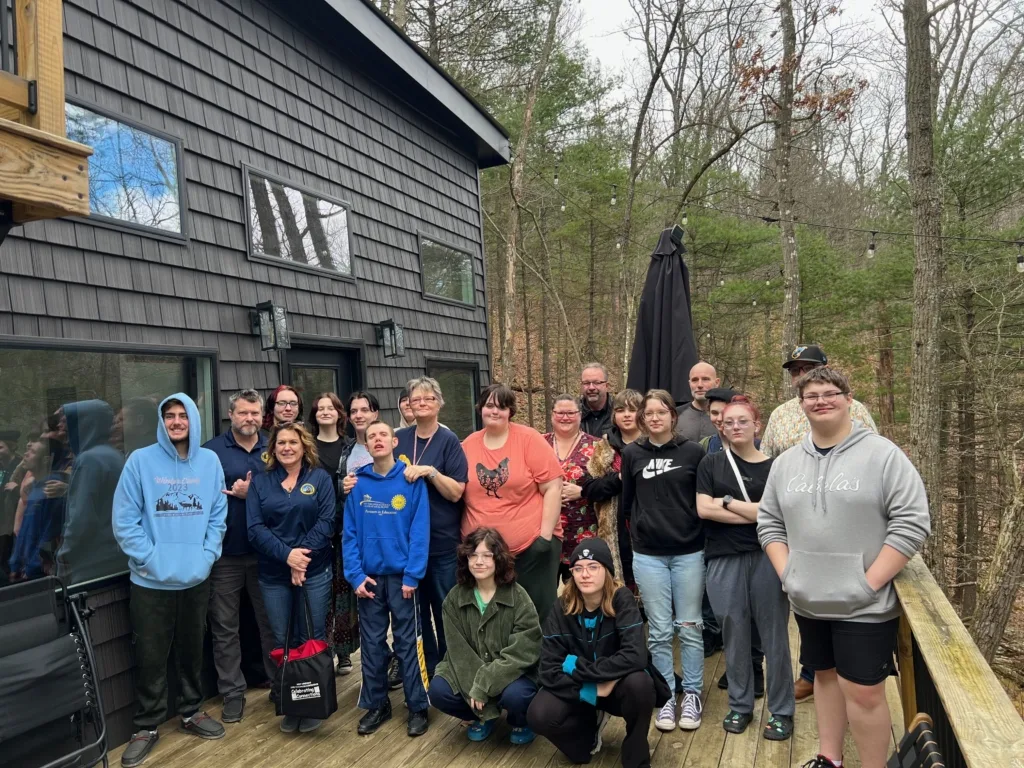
<point x="40" y="45"/>
<point x="905" y="655"/>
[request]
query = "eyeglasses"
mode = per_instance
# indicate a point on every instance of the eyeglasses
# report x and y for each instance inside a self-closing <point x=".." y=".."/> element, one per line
<point x="655" y="414"/>
<point x="419" y="400"/>
<point x="592" y="569"/>
<point x="286" y="404"/>
<point x="565" y="414"/>
<point x="481" y="557"/>
<point x="593" y="383"/>
<point x="741" y="423"/>
<point x="825" y="397"/>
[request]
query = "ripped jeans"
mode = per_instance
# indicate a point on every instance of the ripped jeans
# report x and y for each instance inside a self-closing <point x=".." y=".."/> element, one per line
<point x="672" y="588"/>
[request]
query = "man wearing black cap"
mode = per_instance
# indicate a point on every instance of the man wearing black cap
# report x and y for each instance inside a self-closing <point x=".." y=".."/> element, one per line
<point x="788" y="424"/>
<point x="786" y="427"/>
<point x="8" y="498"/>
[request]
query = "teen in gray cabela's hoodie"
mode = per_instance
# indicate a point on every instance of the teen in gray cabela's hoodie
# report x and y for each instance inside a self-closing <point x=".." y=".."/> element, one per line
<point x="835" y="512"/>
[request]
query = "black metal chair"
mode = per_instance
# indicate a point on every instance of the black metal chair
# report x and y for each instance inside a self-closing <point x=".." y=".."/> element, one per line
<point x="918" y="748"/>
<point x="51" y="714"/>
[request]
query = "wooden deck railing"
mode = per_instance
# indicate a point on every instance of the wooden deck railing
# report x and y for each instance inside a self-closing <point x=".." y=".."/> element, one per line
<point x="42" y="174"/>
<point x="943" y="674"/>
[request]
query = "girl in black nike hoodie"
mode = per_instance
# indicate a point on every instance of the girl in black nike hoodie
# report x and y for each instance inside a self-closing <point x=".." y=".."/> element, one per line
<point x="659" y="498"/>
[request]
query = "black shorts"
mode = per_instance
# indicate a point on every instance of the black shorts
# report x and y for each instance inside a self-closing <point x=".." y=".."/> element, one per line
<point x="859" y="651"/>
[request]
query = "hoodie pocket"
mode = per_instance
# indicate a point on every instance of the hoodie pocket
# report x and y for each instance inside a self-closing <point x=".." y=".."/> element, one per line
<point x="176" y="565"/>
<point x="825" y="584"/>
<point x="384" y="554"/>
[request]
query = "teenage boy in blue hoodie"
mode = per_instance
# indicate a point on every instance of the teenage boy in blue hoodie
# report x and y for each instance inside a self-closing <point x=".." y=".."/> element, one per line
<point x="385" y="546"/>
<point x="169" y="519"/>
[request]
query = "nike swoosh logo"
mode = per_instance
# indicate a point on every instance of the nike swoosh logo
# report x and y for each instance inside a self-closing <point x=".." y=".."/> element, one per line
<point x="651" y="474"/>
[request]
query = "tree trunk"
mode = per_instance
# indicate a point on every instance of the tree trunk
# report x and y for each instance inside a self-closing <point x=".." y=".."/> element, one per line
<point x="885" y="373"/>
<point x="402" y="13"/>
<point x="291" y="228"/>
<point x="316" y="232"/>
<point x="966" y="482"/>
<point x="926" y="380"/>
<point x="516" y="182"/>
<point x="791" y="324"/>
<point x="591" y="330"/>
<point x="271" y="245"/>
<point x="545" y="360"/>
<point x="529" y="356"/>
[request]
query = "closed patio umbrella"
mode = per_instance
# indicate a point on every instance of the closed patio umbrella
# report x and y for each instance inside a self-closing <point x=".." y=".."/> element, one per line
<point x="664" y="349"/>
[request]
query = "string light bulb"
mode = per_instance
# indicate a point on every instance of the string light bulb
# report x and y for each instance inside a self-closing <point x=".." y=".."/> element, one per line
<point x="755" y="302"/>
<point x="615" y="194"/>
<point x="1020" y="255"/>
<point x="556" y="174"/>
<point x="684" y="217"/>
<point x="618" y="246"/>
<point x="563" y="206"/>
<point x="721" y="283"/>
<point x="872" y="247"/>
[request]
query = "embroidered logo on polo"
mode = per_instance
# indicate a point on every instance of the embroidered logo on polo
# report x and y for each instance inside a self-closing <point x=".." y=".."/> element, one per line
<point x="307" y="489"/>
<point x="265" y="457"/>
<point x="657" y="467"/>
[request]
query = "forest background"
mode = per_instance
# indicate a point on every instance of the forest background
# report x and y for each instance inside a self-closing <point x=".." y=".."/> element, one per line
<point x="787" y="137"/>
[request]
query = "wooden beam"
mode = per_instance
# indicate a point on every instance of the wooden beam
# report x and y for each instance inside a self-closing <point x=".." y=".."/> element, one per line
<point x="908" y="687"/>
<point x="40" y="40"/>
<point x="988" y="729"/>
<point x="46" y="176"/>
<point x="14" y="91"/>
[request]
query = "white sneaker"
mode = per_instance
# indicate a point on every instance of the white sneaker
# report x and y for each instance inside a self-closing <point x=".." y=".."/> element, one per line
<point x="689" y="720"/>
<point x="602" y="720"/>
<point x="666" y="719"/>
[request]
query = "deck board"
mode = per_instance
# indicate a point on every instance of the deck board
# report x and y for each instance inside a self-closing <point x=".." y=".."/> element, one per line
<point x="257" y="741"/>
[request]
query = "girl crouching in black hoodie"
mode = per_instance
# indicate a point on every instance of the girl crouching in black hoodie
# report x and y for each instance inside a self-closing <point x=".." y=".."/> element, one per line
<point x="594" y="663"/>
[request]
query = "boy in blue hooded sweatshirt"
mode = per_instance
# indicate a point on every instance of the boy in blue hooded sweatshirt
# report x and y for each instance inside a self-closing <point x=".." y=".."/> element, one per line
<point x="169" y="519"/>
<point x="385" y="545"/>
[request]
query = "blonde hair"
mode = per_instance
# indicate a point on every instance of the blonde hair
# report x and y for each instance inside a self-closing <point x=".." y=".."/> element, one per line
<point x="572" y="598"/>
<point x="310" y="456"/>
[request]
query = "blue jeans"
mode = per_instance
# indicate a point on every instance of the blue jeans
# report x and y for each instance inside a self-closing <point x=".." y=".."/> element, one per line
<point x="387" y="606"/>
<point x="435" y="585"/>
<point x="672" y="588"/>
<point x="515" y="700"/>
<point x="277" y="599"/>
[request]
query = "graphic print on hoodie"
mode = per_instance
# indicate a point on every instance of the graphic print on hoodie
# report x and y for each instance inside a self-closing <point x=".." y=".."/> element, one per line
<point x="169" y="513"/>
<point x="387" y="527"/>
<point x="659" y="496"/>
<point x="835" y="512"/>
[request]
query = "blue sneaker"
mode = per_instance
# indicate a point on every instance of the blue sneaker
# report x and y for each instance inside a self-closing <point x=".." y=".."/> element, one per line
<point x="478" y="731"/>
<point x="522" y="736"/>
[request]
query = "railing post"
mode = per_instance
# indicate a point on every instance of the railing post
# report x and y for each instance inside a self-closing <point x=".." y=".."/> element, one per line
<point x="905" y="656"/>
<point x="39" y="31"/>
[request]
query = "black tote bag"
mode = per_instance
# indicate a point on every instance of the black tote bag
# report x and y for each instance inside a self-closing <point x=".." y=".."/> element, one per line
<point x="306" y="675"/>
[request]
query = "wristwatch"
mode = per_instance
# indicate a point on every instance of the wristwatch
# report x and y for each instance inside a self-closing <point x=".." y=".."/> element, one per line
<point x="726" y="501"/>
<point x="433" y="473"/>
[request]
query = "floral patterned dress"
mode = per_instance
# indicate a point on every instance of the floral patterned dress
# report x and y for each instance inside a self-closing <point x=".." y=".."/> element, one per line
<point x="579" y="518"/>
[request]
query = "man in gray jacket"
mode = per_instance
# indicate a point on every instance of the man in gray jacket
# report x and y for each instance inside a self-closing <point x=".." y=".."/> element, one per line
<point x="841" y="514"/>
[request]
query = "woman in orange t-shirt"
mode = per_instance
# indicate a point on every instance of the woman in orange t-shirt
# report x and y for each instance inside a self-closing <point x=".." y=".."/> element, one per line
<point x="515" y="487"/>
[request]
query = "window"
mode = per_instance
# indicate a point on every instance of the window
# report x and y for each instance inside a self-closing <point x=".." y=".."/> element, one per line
<point x="133" y="174"/>
<point x="459" y="384"/>
<point x="297" y="225"/>
<point x="63" y="442"/>
<point x="447" y="272"/>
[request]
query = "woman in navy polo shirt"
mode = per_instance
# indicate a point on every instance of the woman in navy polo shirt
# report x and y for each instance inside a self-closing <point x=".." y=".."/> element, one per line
<point x="290" y="514"/>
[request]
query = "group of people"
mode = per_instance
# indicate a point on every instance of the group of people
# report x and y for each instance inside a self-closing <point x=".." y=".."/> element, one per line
<point x="530" y="563"/>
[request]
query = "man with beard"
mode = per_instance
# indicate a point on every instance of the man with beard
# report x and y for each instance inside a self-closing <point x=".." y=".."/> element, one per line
<point x="694" y="422"/>
<point x="240" y="451"/>
<point x="595" y="403"/>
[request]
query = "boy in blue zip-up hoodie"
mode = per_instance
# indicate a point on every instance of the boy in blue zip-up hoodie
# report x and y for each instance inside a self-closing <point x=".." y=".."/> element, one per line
<point x="169" y="519"/>
<point x="385" y="546"/>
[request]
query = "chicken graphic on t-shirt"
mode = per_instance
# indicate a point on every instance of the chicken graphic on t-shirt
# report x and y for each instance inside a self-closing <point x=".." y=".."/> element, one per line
<point x="493" y="479"/>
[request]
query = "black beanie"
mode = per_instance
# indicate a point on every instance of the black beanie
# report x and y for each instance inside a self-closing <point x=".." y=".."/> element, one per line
<point x="596" y="550"/>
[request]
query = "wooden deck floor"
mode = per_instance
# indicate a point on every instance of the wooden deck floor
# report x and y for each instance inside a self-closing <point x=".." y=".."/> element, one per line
<point x="257" y="741"/>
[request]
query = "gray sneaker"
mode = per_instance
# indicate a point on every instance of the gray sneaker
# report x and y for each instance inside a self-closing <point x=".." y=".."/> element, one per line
<point x="203" y="726"/>
<point x="138" y="748"/>
<point x="233" y="709"/>
<point x="309" y="724"/>
<point x="289" y="724"/>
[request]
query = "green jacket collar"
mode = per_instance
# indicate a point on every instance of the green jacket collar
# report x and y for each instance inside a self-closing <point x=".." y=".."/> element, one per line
<point x="504" y="595"/>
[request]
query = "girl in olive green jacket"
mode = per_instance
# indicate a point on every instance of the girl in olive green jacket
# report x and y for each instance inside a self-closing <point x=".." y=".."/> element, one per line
<point x="493" y="637"/>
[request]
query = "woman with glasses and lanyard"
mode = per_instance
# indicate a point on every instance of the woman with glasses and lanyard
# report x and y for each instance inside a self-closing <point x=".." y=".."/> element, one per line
<point x="742" y="584"/>
<point x="573" y="449"/>
<point x="659" y="498"/>
<point x="433" y="452"/>
<point x="284" y="405"/>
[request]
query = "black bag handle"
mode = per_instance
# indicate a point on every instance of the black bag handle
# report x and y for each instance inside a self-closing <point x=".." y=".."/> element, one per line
<point x="291" y="620"/>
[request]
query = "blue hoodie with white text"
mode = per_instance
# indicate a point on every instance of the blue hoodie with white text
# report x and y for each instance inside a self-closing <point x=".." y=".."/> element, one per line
<point x="387" y="527"/>
<point x="169" y="513"/>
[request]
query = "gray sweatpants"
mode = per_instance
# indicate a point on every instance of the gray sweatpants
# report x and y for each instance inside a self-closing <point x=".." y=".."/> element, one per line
<point x="744" y="587"/>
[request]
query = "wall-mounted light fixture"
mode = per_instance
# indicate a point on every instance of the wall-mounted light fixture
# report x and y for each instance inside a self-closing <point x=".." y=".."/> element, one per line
<point x="391" y="336"/>
<point x="270" y="323"/>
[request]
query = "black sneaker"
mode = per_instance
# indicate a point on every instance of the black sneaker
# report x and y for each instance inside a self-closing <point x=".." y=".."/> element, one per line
<point x="758" y="682"/>
<point x="723" y="681"/>
<point x="417" y="723"/>
<point x="344" y="665"/>
<point x="138" y="748"/>
<point x="394" y="674"/>
<point x="780" y="728"/>
<point x="233" y="709"/>
<point x="737" y="722"/>
<point x="819" y="762"/>
<point x="374" y="719"/>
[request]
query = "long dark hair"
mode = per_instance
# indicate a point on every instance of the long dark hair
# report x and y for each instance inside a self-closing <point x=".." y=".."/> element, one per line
<point x="314" y="425"/>
<point x="504" y="563"/>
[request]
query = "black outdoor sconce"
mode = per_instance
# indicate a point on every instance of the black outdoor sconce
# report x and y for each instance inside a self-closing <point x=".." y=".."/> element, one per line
<point x="391" y="336"/>
<point x="270" y="323"/>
